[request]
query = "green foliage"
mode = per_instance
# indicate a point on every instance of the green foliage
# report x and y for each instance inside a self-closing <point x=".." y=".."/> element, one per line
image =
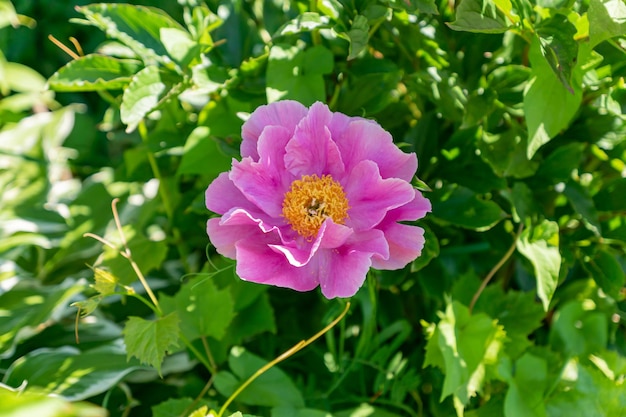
<point x="515" y="110"/>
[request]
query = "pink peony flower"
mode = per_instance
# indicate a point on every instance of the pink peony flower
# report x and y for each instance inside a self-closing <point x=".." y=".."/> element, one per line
<point x="316" y="200"/>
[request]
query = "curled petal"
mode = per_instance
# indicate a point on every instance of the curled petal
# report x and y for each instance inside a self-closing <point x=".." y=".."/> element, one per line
<point x="312" y="150"/>
<point x="285" y="113"/>
<point x="258" y="262"/>
<point x="371" y="197"/>
<point x="222" y="195"/>
<point x="367" y="140"/>
<point x="405" y="244"/>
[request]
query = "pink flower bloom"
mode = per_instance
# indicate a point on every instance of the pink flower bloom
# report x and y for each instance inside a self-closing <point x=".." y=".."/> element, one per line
<point x="316" y="200"/>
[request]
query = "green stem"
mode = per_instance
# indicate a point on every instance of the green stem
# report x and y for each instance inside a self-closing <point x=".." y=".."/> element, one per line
<point x="197" y="354"/>
<point x="165" y="198"/>
<point x="299" y="346"/>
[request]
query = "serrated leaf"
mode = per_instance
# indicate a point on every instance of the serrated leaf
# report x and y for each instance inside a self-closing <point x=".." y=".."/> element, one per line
<point x="202" y="308"/>
<point x="138" y="27"/>
<point x="141" y="96"/>
<point x="464" y="346"/>
<point x="70" y="373"/>
<point x="105" y="282"/>
<point x="540" y="244"/>
<point x="94" y="73"/>
<point x="88" y="306"/>
<point x="150" y="340"/>
<point x="506" y="154"/>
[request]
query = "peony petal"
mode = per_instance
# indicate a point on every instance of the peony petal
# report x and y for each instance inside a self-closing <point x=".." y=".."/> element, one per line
<point x="342" y="271"/>
<point x="265" y="182"/>
<point x="222" y="195"/>
<point x="259" y="186"/>
<point x="239" y="224"/>
<point x="257" y="262"/>
<point x="312" y="150"/>
<point x="285" y="113"/>
<point x="367" y="140"/>
<point x="413" y="210"/>
<point x="341" y="274"/>
<point x="405" y="244"/>
<point x="330" y="235"/>
<point x="370" y="196"/>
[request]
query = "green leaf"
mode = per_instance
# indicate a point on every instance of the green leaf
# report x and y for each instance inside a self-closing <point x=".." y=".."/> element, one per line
<point x="271" y="389"/>
<point x="506" y="154"/>
<point x="582" y="203"/>
<point x="138" y="27"/>
<point x="70" y="373"/>
<point x="525" y="396"/>
<point x="32" y="402"/>
<point x="287" y="411"/>
<point x="429" y="252"/>
<point x="175" y="407"/>
<point x="179" y="45"/>
<point x="607" y="19"/>
<point x="26" y="309"/>
<point x="606" y="271"/>
<point x="464" y="346"/>
<point x="202" y="308"/>
<point x="149" y="340"/>
<point x="296" y="74"/>
<point x="201" y="147"/>
<point x="94" y="73"/>
<point x="105" y="282"/>
<point x="483" y="16"/>
<point x="612" y="196"/>
<point x="358" y="36"/>
<point x="558" y="47"/>
<point x="578" y="330"/>
<point x="462" y="207"/>
<point x="524" y="204"/>
<point x="141" y="96"/>
<point x="305" y="22"/>
<point x="540" y="244"/>
<point x="558" y="166"/>
<point x="544" y="94"/>
<point x="147" y="254"/>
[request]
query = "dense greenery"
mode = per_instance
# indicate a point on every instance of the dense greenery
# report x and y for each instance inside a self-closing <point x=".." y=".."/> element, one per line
<point x="516" y="110"/>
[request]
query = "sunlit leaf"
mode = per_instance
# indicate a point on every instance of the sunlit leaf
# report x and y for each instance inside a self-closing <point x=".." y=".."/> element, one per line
<point x="34" y="402"/>
<point x="150" y="340"/>
<point x="94" y="73"/>
<point x="540" y="244"/>
<point x="202" y="308"/>
<point x="70" y="373"/>
<point x="141" y="96"/>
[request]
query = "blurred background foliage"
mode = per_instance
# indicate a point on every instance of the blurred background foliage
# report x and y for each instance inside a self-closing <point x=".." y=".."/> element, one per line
<point x="514" y="108"/>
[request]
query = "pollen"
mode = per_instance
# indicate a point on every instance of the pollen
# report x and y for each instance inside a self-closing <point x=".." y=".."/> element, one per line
<point x="311" y="200"/>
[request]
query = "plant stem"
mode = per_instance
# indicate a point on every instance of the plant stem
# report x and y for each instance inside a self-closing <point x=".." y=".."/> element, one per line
<point x="495" y="269"/>
<point x="297" y="347"/>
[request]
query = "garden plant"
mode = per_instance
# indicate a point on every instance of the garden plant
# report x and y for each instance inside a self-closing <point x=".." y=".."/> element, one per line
<point x="313" y="208"/>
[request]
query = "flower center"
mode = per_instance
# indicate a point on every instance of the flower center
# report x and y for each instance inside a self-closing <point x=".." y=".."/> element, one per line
<point x="311" y="200"/>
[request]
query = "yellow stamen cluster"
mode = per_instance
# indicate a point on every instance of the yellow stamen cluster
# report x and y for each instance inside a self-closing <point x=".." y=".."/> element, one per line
<point x="311" y="200"/>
